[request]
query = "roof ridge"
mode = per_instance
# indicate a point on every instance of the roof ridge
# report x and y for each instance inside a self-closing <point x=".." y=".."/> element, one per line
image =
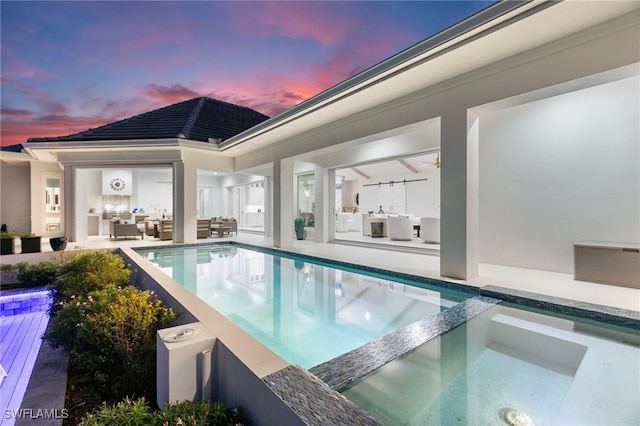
<point x="197" y="119"/>
<point x="191" y="121"/>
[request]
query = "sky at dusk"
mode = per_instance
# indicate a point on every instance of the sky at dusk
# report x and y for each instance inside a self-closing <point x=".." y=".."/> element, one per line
<point x="70" y="66"/>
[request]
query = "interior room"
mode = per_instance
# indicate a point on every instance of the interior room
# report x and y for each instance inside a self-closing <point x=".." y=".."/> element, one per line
<point x="133" y="194"/>
<point x="406" y="188"/>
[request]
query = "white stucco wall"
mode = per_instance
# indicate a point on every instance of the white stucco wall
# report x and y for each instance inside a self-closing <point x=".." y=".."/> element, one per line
<point x="39" y="172"/>
<point x="15" y="209"/>
<point x="557" y="171"/>
<point x="152" y="187"/>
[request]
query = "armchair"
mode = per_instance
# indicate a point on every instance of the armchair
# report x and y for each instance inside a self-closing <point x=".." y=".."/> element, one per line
<point x="399" y="228"/>
<point x="229" y="222"/>
<point x="124" y="230"/>
<point x="149" y="227"/>
<point x="164" y="229"/>
<point x="204" y="228"/>
<point x="430" y="229"/>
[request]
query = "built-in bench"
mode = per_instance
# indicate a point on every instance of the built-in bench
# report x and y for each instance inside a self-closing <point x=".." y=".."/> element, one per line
<point x="607" y="263"/>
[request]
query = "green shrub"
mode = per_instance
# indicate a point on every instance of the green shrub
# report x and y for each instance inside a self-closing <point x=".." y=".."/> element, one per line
<point x="128" y="412"/>
<point x="201" y="413"/>
<point x="125" y="412"/>
<point x="111" y="333"/>
<point x="90" y="271"/>
<point x="38" y="274"/>
<point x="63" y="328"/>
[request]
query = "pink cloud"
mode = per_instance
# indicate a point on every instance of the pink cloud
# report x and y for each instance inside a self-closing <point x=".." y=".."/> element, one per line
<point x="168" y="94"/>
<point x="53" y="118"/>
<point x="29" y="91"/>
<point x="20" y="125"/>
<point x="14" y="67"/>
<point x="305" y="20"/>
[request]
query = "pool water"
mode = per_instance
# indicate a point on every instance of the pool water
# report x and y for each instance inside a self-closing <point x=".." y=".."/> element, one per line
<point x="308" y="313"/>
<point x="554" y="370"/>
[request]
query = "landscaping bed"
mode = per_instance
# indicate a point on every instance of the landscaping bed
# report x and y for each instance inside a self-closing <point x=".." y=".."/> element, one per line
<point x="108" y="327"/>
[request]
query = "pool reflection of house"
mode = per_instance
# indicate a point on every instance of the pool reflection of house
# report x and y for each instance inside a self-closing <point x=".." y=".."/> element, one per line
<point x="530" y="109"/>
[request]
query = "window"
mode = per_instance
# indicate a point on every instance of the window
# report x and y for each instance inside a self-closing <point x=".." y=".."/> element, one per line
<point x="307" y="198"/>
<point x="52" y="195"/>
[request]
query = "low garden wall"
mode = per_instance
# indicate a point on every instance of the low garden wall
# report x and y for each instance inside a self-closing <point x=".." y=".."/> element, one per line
<point x="24" y="302"/>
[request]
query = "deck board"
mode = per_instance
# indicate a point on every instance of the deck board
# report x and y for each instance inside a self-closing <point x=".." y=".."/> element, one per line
<point x="21" y="340"/>
<point x="12" y="338"/>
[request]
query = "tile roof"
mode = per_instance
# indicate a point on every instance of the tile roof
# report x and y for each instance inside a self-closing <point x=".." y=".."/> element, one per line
<point x="196" y="119"/>
<point x="12" y="148"/>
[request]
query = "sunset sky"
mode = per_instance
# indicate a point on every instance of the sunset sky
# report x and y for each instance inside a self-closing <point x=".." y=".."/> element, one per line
<point x="70" y="66"/>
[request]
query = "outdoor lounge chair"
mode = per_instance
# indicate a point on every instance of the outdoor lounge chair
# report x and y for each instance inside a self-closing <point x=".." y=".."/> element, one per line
<point x="124" y="230"/>
<point x="164" y="229"/>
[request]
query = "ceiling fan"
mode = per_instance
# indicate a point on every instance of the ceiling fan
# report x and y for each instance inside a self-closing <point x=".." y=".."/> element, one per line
<point x="436" y="163"/>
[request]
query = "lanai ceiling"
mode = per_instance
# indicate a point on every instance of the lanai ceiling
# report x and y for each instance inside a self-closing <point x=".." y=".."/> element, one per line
<point x="405" y="166"/>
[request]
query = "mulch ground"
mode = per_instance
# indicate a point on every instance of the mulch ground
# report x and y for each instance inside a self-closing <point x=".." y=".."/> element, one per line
<point x="82" y="396"/>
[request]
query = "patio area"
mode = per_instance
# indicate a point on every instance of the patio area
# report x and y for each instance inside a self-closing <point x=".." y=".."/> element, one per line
<point x="395" y="258"/>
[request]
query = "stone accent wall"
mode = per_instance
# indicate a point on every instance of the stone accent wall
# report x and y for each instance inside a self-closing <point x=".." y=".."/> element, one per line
<point x="24" y="302"/>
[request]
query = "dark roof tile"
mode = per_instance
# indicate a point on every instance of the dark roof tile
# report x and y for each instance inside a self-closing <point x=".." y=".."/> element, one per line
<point x="12" y="148"/>
<point x="196" y="119"/>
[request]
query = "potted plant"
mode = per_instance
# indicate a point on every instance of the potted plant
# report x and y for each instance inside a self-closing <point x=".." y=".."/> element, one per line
<point x="6" y="239"/>
<point x="58" y="243"/>
<point x="30" y="242"/>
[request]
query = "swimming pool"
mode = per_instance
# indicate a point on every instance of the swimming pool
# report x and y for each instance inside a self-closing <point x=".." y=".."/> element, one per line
<point x="510" y="366"/>
<point x="307" y="312"/>
<point x="468" y="341"/>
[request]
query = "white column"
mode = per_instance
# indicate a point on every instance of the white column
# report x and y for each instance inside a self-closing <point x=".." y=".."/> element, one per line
<point x="268" y="206"/>
<point x="70" y="213"/>
<point x="276" y="202"/>
<point x="80" y="208"/>
<point x="323" y="192"/>
<point x="283" y="206"/>
<point x="185" y="184"/>
<point x="459" y="195"/>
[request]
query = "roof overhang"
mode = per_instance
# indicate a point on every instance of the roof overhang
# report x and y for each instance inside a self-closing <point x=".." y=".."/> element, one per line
<point x="500" y="32"/>
<point x="20" y="158"/>
<point x="52" y="151"/>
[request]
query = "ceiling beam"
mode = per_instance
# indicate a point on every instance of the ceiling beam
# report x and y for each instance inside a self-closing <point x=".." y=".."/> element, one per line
<point x="408" y="166"/>
<point x="358" y="171"/>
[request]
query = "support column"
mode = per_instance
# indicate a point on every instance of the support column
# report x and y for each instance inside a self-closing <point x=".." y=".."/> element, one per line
<point x="185" y="184"/>
<point x="70" y="215"/>
<point x="268" y="206"/>
<point x="283" y="205"/>
<point x="321" y="213"/>
<point x="459" y="195"/>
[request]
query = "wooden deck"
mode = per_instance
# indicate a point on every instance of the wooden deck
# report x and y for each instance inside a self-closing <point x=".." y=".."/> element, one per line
<point x="20" y="340"/>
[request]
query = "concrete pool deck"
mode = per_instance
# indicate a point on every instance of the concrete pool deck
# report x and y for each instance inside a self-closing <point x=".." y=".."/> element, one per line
<point x="427" y="265"/>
